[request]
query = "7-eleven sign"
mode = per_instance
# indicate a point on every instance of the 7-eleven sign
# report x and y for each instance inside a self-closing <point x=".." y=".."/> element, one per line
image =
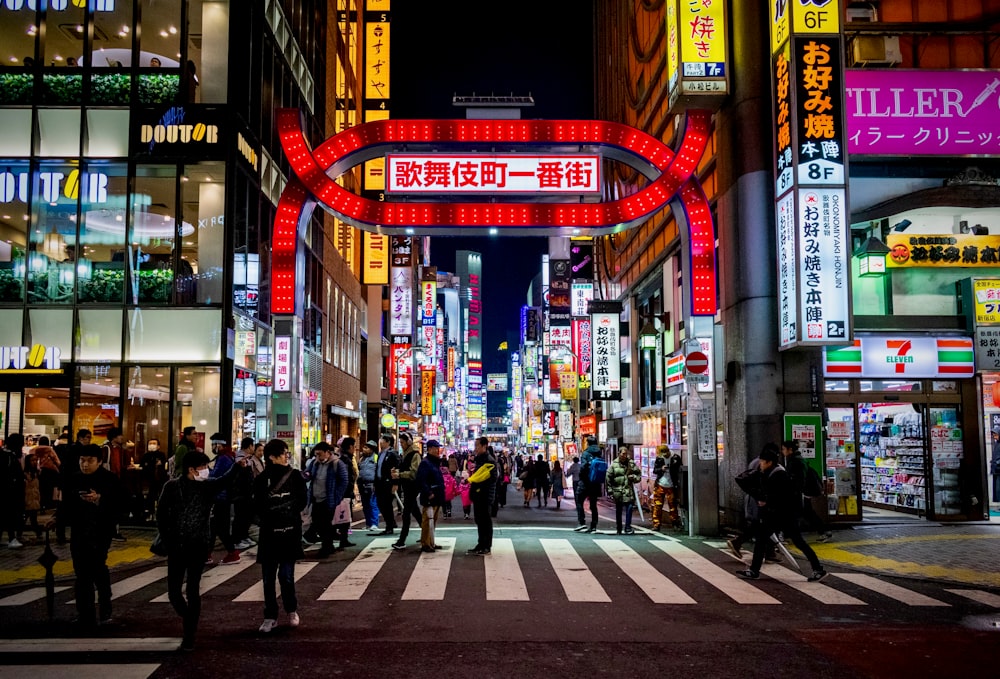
<point x="902" y="358"/>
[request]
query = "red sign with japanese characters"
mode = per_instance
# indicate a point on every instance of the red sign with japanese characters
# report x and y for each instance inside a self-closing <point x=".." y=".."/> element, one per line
<point x="485" y="173"/>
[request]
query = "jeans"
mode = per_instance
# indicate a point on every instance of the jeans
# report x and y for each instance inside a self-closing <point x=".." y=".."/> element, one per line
<point x="367" y="506"/>
<point x="410" y="508"/>
<point x="221" y="518"/>
<point x="428" y="520"/>
<point x="629" y="507"/>
<point x="321" y="517"/>
<point x="181" y="565"/>
<point x="484" y="522"/>
<point x="90" y="563"/>
<point x="285" y="571"/>
<point x="583" y="494"/>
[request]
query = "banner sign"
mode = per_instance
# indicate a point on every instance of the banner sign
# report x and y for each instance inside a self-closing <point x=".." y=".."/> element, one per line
<point x="400" y="371"/>
<point x="375" y="264"/>
<point x="282" y="363"/>
<point x="942" y="250"/>
<point x="427" y="398"/>
<point x="605" y="365"/>
<point x="581" y="260"/>
<point x="583" y="345"/>
<point x="703" y="47"/>
<point x="902" y="358"/>
<point x="401" y="301"/>
<point x="496" y="382"/>
<point x="428" y="298"/>
<point x="824" y="265"/>
<point x="581" y="294"/>
<point x="493" y="173"/>
<point x="923" y="112"/>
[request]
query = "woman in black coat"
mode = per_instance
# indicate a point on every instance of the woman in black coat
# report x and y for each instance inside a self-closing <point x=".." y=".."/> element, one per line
<point x="279" y="495"/>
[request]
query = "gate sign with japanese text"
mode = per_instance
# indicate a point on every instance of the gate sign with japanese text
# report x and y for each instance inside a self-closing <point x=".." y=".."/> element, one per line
<point x="491" y="173"/>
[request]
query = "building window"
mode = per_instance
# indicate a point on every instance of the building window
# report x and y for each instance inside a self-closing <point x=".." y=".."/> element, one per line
<point x="199" y="277"/>
<point x="52" y="258"/>
<point x="99" y="337"/>
<point x="205" y="75"/>
<point x="15" y="184"/>
<point x="98" y="400"/>
<point x="154" y="229"/>
<point x="101" y="252"/>
<point x="196" y="401"/>
<point x="65" y="31"/>
<point x="111" y="46"/>
<point x="174" y="335"/>
<point x="147" y="407"/>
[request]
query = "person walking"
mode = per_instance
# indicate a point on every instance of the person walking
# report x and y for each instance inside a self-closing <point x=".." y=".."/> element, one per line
<point x="366" y="484"/>
<point x="798" y="472"/>
<point x="183" y="519"/>
<point x="12" y="489"/>
<point x="750" y="478"/>
<point x="32" y="497"/>
<point x="483" y="485"/>
<point x="430" y="489"/>
<point x="778" y="502"/>
<point x="499" y="497"/>
<point x="48" y="472"/>
<point x="542" y="473"/>
<point x="346" y="456"/>
<point x="556" y="482"/>
<point x="153" y="466"/>
<point x="406" y="475"/>
<point x="186" y="445"/>
<point x="241" y="496"/>
<point x="387" y="461"/>
<point x="92" y="504"/>
<point x="527" y="478"/>
<point x="222" y="511"/>
<point x="623" y="474"/>
<point x="327" y="482"/>
<point x="587" y="489"/>
<point x="279" y="498"/>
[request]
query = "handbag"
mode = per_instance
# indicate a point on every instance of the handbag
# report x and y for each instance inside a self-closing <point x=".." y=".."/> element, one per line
<point x="157" y="546"/>
<point x="482" y="474"/>
<point x="342" y="514"/>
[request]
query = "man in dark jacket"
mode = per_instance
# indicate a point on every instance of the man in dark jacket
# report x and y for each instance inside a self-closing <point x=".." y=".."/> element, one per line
<point x="482" y="494"/>
<point x="387" y="461"/>
<point x="797" y="474"/>
<point x="222" y="512"/>
<point x="584" y="490"/>
<point x="430" y="490"/>
<point x="406" y="476"/>
<point x="777" y="500"/>
<point x="327" y="477"/>
<point x="542" y="471"/>
<point x="92" y="504"/>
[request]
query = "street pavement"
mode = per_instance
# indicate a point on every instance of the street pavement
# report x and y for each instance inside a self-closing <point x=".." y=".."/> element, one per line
<point x="916" y="598"/>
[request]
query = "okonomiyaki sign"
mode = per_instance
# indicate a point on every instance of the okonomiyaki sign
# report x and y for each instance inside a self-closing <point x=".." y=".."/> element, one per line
<point x="923" y="112"/>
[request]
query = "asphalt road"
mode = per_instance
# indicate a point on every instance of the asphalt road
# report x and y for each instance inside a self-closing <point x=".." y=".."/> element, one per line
<point x="547" y="602"/>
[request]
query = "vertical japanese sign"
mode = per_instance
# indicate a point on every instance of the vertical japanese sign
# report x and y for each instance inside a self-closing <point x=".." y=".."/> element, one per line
<point x="673" y="49"/>
<point x="345" y="239"/>
<point x="400" y="360"/>
<point x="375" y="268"/>
<point x="374" y="89"/>
<point x="450" y="368"/>
<point x="470" y="269"/>
<point x="401" y="287"/>
<point x="427" y="399"/>
<point x="428" y="297"/>
<point x="810" y="170"/>
<point x="605" y="365"/>
<point x="282" y="363"/>
<point x="581" y="294"/>
<point x="583" y="346"/>
<point x="703" y="46"/>
<point x="581" y="260"/>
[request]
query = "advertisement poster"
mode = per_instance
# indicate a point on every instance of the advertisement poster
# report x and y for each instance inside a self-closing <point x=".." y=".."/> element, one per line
<point x="806" y="430"/>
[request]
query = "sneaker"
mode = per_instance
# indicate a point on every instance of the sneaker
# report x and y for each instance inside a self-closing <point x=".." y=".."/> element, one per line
<point x="590" y="530"/>
<point x="14" y="544"/>
<point x="231" y="558"/>
<point x="437" y="547"/>
<point x="474" y="550"/>
<point x="629" y="531"/>
<point x="119" y="537"/>
<point x="580" y="528"/>
<point x="399" y="545"/>
<point x="244" y="544"/>
<point x="734" y="547"/>
<point x="826" y="536"/>
<point x="748" y="574"/>
<point x="267" y="626"/>
<point x="209" y="561"/>
<point x="293" y="619"/>
<point x="482" y="552"/>
<point x="818" y="575"/>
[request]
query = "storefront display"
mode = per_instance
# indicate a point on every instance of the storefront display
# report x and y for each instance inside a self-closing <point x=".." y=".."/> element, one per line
<point x="892" y="455"/>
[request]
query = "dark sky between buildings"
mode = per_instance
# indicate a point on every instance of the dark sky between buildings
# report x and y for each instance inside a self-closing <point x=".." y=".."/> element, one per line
<point x="445" y="48"/>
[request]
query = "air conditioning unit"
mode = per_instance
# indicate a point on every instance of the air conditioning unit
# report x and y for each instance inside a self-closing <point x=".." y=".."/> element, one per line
<point x="876" y="50"/>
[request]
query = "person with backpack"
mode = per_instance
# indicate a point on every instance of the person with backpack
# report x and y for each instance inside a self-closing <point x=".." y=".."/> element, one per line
<point x="622" y="477"/>
<point x="406" y="475"/>
<point x="279" y="498"/>
<point x="593" y="470"/>
<point x="799" y="474"/>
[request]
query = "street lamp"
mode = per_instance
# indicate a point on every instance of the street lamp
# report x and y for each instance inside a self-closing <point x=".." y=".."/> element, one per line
<point x="871" y="258"/>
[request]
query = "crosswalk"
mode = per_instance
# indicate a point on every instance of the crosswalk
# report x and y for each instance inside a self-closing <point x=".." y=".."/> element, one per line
<point x="584" y="570"/>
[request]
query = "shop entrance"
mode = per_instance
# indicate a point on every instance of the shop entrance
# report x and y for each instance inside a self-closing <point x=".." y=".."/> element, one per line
<point x="38" y="407"/>
<point x="899" y="451"/>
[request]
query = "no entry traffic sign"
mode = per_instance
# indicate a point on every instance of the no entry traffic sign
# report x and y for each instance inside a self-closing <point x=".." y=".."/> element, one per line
<point x="696" y="363"/>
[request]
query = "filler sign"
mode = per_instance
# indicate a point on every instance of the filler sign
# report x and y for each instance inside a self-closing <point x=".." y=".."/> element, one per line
<point x="485" y="173"/>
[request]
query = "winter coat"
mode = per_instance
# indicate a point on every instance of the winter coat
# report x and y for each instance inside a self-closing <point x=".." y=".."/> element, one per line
<point x="556" y="480"/>
<point x="92" y="524"/>
<point x="621" y="480"/>
<point x="223" y="463"/>
<point x="11" y="480"/>
<point x="280" y="510"/>
<point x="464" y="490"/>
<point x="336" y="481"/>
<point x="184" y="510"/>
<point x="542" y="473"/>
<point x="781" y="503"/>
<point x="589" y="454"/>
<point x="486" y="491"/>
<point x="430" y="482"/>
<point x="366" y="470"/>
<point x="347" y="459"/>
<point x="32" y="493"/>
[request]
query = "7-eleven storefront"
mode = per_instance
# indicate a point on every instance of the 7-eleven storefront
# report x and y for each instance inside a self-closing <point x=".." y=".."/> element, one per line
<point x="903" y="434"/>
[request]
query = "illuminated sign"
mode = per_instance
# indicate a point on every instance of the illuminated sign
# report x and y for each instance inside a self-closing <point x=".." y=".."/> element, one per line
<point x="675" y="370"/>
<point x="496" y="382"/>
<point x="824" y="265"/>
<point x="37" y="359"/>
<point x="819" y="104"/>
<point x="316" y="173"/>
<point x="605" y="362"/>
<point x="427" y="400"/>
<point x="246" y="150"/>
<point x="788" y="274"/>
<point x="492" y="173"/>
<point x="400" y="370"/>
<point x="583" y="344"/>
<point x="54" y="186"/>
<point x="815" y="16"/>
<point x="401" y="301"/>
<point x="780" y="24"/>
<point x="581" y="294"/>
<point x="902" y="358"/>
<point x="986" y="293"/>
<point x="673" y="46"/>
<point x="702" y="25"/>
<point x="282" y="363"/>
<point x="450" y="368"/>
<point x="942" y="250"/>
<point x="60" y="5"/>
<point x="375" y="263"/>
<point x="428" y="296"/>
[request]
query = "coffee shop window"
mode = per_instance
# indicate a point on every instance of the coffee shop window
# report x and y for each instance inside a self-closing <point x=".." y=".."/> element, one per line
<point x="18" y="32"/>
<point x="52" y="242"/>
<point x="98" y="400"/>
<point x="65" y="31"/>
<point x="205" y="75"/>
<point x="159" y="51"/>
<point x="15" y="179"/>
<point x="154" y="234"/>
<point x="199" y="274"/>
<point x="197" y="399"/>
<point x="111" y="46"/>
<point x="102" y="253"/>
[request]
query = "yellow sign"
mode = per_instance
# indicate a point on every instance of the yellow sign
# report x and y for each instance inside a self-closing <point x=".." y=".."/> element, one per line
<point x="377" y="60"/>
<point x="815" y="16"/>
<point x="427" y="400"/>
<point x="345" y="239"/>
<point x="942" y="251"/>
<point x="567" y="385"/>
<point x="375" y="267"/>
<point x="987" y="295"/>
<point x="703" y="39"/>
<point x="375" y="168"/>
<point x="779" y="24"/>
<point x="388" y="421"/>
<point x="37" y="359"/>
<point x="673" y="35"/>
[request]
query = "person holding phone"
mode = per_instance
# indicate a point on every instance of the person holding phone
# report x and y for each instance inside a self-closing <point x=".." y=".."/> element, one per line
<point x="92" y="505"/>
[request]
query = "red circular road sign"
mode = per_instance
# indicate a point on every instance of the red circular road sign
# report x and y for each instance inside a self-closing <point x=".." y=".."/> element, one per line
<point x="696" y="363"/>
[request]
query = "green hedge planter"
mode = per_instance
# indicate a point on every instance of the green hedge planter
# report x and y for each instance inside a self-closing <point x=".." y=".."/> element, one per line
<point x="16" y="88"/>
<point x="11" y="289"/>
<point x="155" y="285"/>
<point x="104" y="285"/>
<point x="158" y="89"/>
<point x="111" y="89"/>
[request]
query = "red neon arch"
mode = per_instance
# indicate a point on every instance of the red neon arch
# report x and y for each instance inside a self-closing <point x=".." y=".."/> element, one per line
<point x="672" y="171"/>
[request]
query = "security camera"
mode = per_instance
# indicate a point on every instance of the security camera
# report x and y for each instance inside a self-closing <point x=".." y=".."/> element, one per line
<point x="902" y="225"/>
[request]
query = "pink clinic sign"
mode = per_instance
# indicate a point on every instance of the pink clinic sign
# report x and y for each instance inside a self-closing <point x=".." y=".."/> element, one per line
<point x="923" y="112"/>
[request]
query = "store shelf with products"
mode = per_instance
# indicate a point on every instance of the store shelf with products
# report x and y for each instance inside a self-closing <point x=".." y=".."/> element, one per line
<point x="892" y="460"/>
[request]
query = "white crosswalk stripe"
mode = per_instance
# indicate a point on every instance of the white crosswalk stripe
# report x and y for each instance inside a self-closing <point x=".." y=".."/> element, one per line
<point x="430" y="576"/>
<point x="351" y="584"/>
<point x="649" y="567"/>
<point x="576" y="579"/>
<point x="256" y="592"/>
<point x="906" y="596"/>
<point x="504" y="580"/>
<point x="79" y="671"/>
<point x="214" y="577"/>
<point x="658" y="587"/>
<point x="740" y="591"/>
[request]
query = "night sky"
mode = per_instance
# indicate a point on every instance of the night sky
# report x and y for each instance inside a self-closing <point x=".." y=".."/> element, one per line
<point x="542" y="48"/>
